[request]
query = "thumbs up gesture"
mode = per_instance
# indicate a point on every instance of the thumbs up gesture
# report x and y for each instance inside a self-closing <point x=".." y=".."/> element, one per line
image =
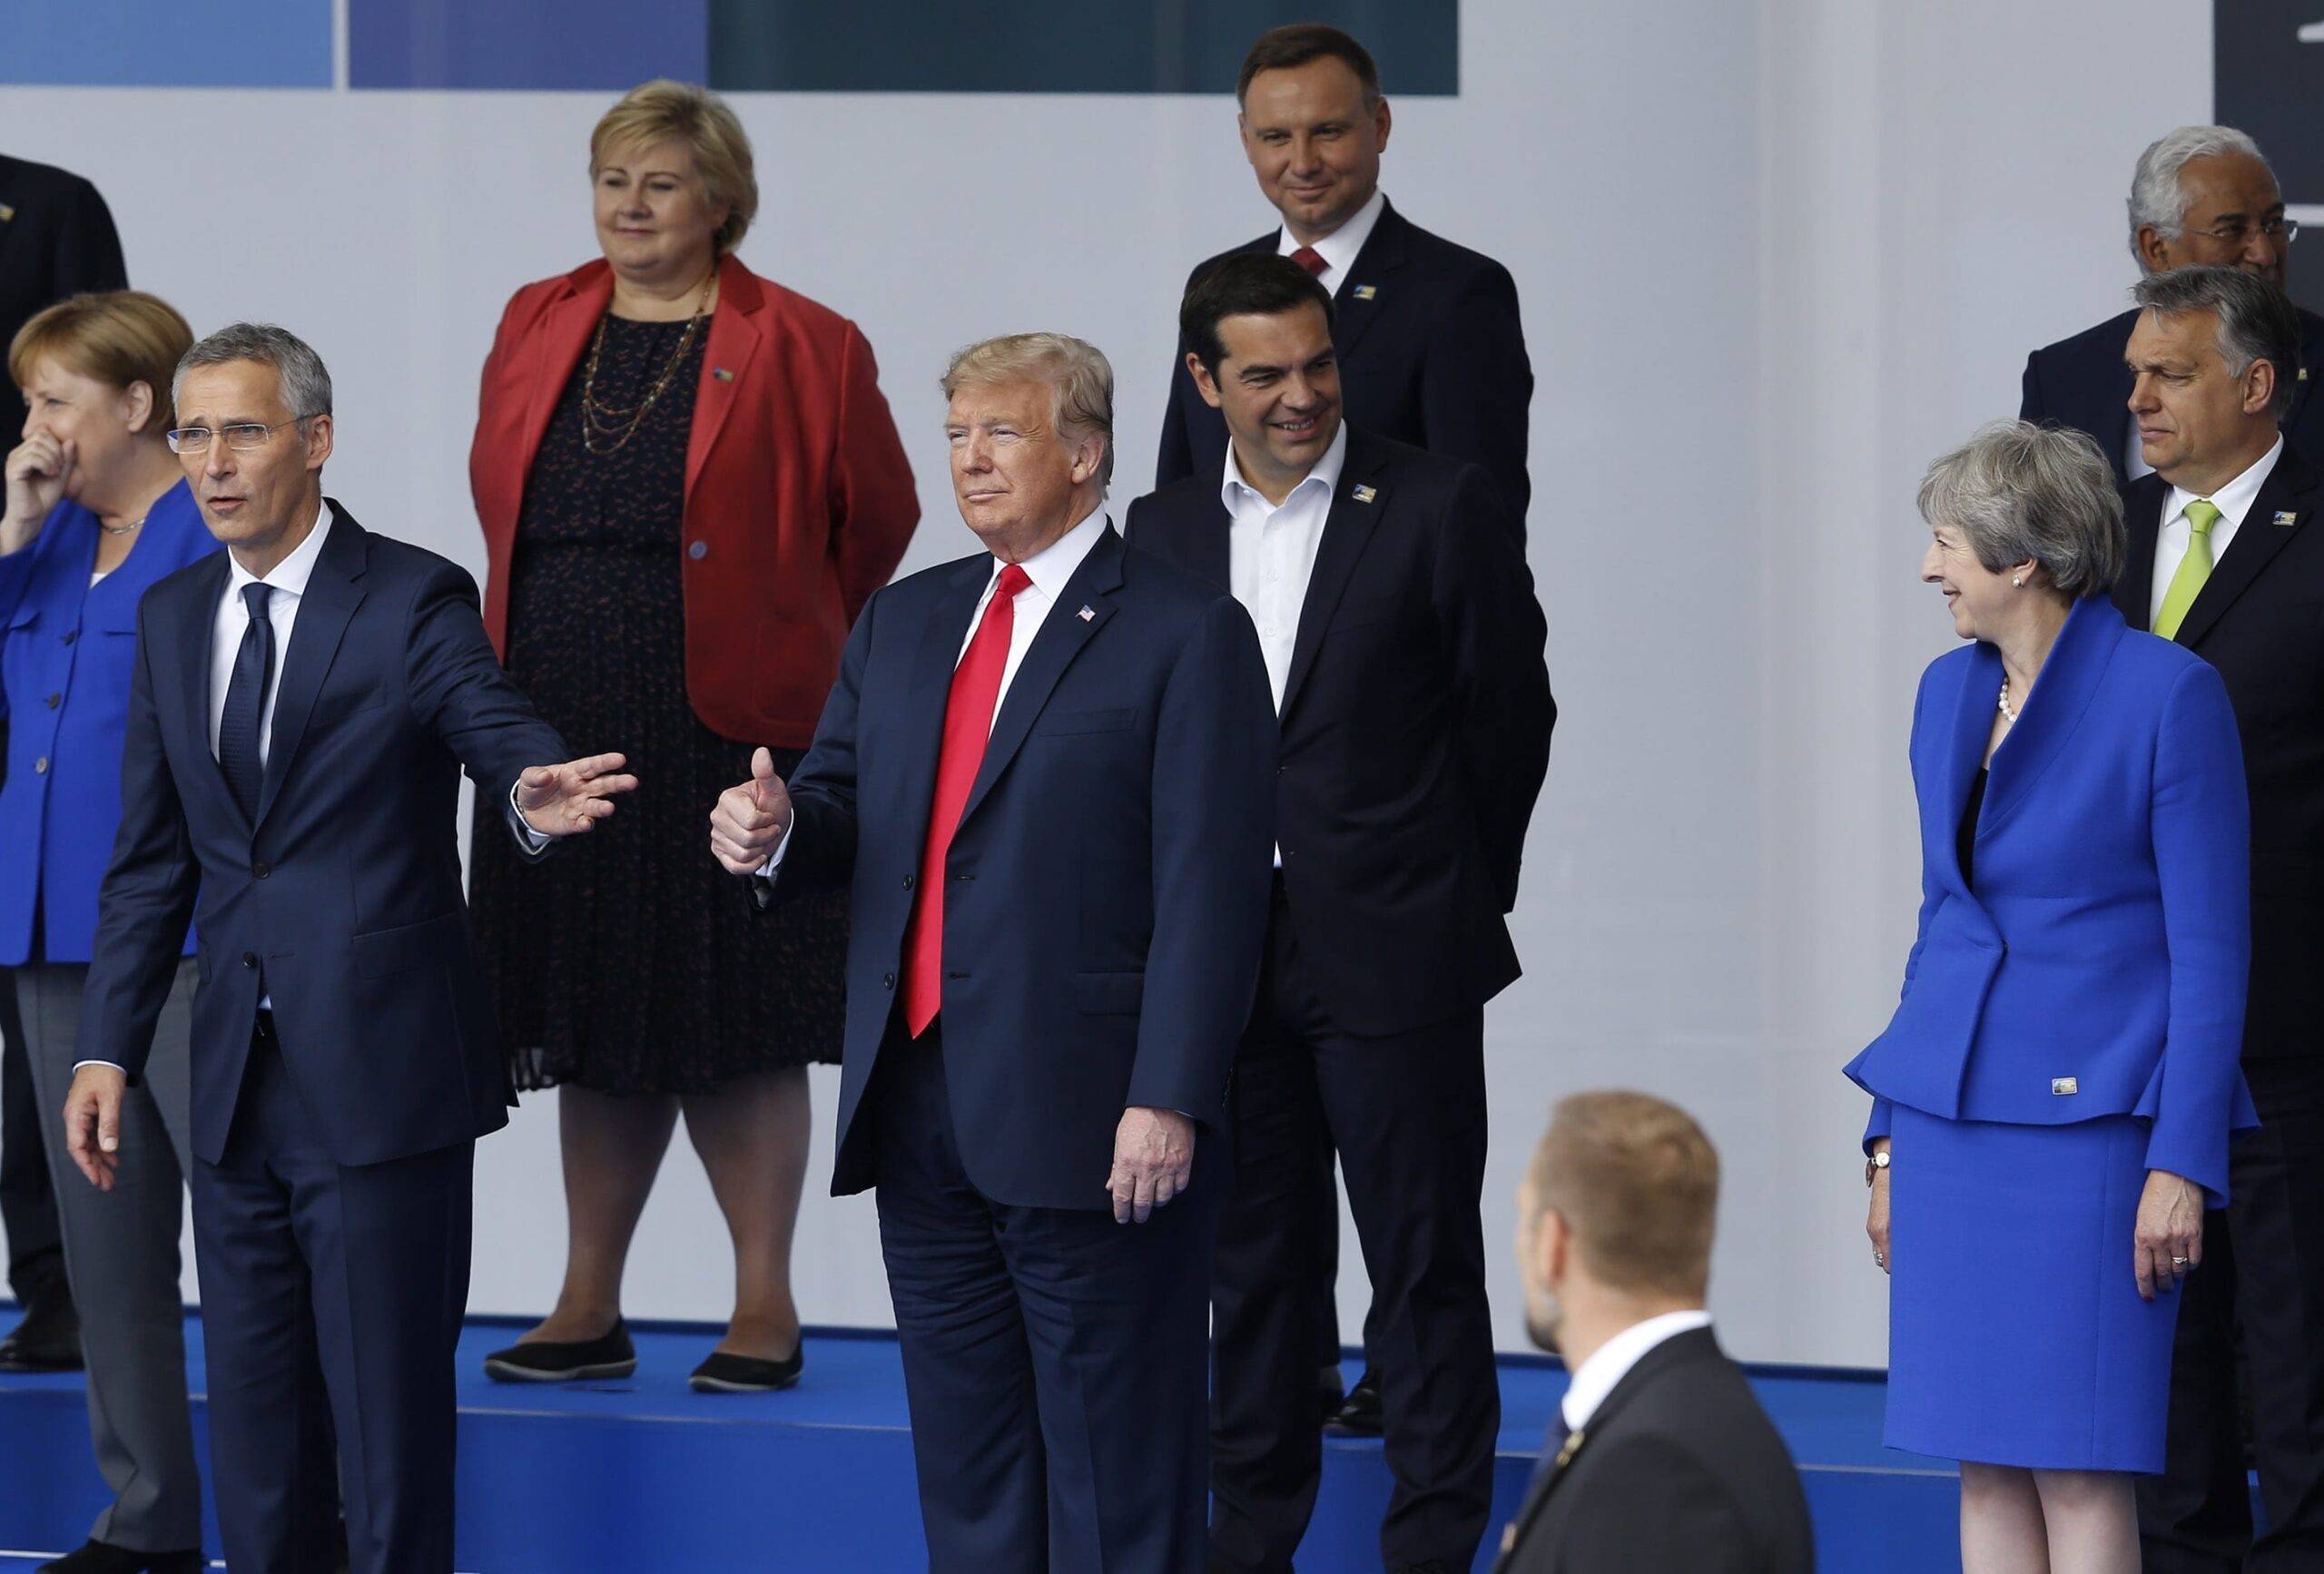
<point x="751" y="819"/>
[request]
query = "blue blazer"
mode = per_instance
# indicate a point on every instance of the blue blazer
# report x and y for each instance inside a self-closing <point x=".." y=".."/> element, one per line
<point x="64" y="669"/>
<point x="343" y="899"/>
<point x="1105" y="895"/>
<point x="2098" y="967"/>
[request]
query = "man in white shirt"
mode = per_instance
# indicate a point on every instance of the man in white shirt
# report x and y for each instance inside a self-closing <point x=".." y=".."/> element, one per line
<point x="2226" y="557"/>
<point x="1660" y="1457"/>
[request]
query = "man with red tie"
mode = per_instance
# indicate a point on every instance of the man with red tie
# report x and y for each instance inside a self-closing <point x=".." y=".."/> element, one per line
<point x="1048" y="774"/>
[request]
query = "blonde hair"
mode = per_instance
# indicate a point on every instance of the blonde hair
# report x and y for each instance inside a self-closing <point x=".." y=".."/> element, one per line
<point x="666" y="110"/>
<point x="121" y="337"/>
<point x="1637" y="1182"/>
<point x="1077" y="371"/>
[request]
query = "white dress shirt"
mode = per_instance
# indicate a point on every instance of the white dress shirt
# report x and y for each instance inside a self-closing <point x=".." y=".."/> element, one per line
<point x="2233" y="501"/>
<point x="1611" y="1362"/>
<point x="1048" y="569"/>
<point x="1270" y="551"/>
<point x="1339" y="249"/>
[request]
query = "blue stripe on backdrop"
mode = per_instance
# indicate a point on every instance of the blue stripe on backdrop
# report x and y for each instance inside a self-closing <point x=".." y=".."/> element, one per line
<point x="599" y="46"/>
<point x="151" y="43"/>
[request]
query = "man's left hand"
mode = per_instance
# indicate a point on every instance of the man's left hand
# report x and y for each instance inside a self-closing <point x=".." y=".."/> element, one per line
<point x="1154" y="1156"/>
<point x="567" y="800"/>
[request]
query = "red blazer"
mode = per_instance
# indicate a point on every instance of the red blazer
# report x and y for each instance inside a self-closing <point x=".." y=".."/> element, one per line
<point x="799" y="499"/>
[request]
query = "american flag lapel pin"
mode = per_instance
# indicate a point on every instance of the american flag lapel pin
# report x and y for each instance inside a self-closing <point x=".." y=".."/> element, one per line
<point x="1367" y="292"/>
<point x="2288" y="519"/>
<point x="722" y="374"/>
<point x="1087" y="615"/>
<point x="1363" y="494"/>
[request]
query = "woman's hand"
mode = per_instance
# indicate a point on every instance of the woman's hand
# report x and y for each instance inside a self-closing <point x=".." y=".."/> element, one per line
<point x="1875" y="1224"/>
<point x="2170" y="1235"/>
<point x="37" y="470"/>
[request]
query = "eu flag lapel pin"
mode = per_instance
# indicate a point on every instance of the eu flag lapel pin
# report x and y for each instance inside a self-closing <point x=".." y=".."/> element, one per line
<point x="2288" y="519"/>
<point x="1087" y="615"/>
<point x="722" y="374"/>
<point x="1363" y="494"/>
<point x="7" y="212"/>
<point x="1372" y="292"/>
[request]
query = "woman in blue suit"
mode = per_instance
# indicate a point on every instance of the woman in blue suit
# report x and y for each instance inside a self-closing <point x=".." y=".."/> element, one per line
<point x="2053" y="1099"/>
<point x="97" y="509"/>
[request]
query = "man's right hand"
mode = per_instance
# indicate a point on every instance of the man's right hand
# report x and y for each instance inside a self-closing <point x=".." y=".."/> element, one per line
<point x="36" y="471"/>
<point x="751" y="819"/>
<point x="93" y="1122"/>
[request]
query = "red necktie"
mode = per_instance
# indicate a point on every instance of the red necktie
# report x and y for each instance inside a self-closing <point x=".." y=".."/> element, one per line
<point x="968" y="726"/>
<point x="1310" y="259"/>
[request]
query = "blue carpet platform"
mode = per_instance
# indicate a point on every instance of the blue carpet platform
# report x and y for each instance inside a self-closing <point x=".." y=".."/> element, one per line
<point x="644" y="1475"/>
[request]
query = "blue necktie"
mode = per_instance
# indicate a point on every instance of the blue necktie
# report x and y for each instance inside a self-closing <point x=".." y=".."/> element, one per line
<point x="238" y="729"/>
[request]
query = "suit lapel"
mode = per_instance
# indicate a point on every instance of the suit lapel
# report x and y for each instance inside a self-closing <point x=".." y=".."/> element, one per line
<point x="192" y="643"/>
<point x="2311" y="368"/>
<point x="1063" y="633"/>
<point x="1371" y="281"/>
<point x="2257" y="541"/>
<point x="565" y="332"/>
<point x="2061" y="694"/>
<point x="334" y="590"/>
<point x="2143" y="522"/>
<point x="734" y="335"/>
<point x="1346" y="528"/>
<point x="1973" y="725"/>
<point x="942" y="633"/>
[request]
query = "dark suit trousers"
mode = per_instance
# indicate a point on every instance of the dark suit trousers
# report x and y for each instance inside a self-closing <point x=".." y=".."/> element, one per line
<point x="1407" y="1115"/>
<point x="2259" y="1290"/>
<point x="331" y="1299"/>
<point x="27" y="1206"/>
<point x="1054" y="1359"/>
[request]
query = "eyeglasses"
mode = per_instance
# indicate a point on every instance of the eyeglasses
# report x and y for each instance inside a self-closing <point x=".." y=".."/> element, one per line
<point x="243" y="436"/>
<point x="2286" y="231"/>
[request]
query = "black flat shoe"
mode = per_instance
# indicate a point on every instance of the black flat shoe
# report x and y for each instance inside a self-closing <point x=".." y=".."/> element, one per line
<point x="1331" y="1392"/>
<point x="747" y="1374"/>
<point x="103" y="1558"/>
<point x="1360" y="1416"/>
<point x="49" y="1337"/>
<point x="565" y="1361"/>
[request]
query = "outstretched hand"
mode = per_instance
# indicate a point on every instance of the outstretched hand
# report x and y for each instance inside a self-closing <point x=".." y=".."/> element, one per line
<point x="751" y="819"/>
<point x="567" y="800"/>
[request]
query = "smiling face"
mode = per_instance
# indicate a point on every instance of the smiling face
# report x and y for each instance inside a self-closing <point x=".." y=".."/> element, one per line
<point x="260" y="501"/>
<point x="103" y="424"/>
<point x="1314" y="144"/>
<point x="1019" y="479"/>
<point x="2230" y="200"/>
<point x="655" y="223"/>
<point x="2199" y="423"/>
<point x="1979" y="597"/>
<point x="1278" y="386"/>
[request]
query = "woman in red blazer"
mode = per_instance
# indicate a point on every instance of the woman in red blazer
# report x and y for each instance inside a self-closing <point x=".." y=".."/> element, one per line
<point x="689" y="484"/>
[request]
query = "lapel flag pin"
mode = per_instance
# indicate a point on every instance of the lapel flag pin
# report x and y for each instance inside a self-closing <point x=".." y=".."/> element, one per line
<point x="1363" y="494"/>
<point x="722" y="374"/>
<point x="1372" y="292"/>
<point x="1087" y="615"/>
<point x="7" y="212"/>
<point x="2287" y="518"/>
<point x="2303" y="370"/>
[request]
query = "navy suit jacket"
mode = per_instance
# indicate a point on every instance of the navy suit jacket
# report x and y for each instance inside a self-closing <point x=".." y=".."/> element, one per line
<point x="2108" y="933"/>
<point x="1415" y="727"/>
<point x="343" y="901"/>
<point x="1431" y="353"/>
<point x="1105" y="891"/>
<point x="2080" y="382"/>
<point x="58" y="239"/>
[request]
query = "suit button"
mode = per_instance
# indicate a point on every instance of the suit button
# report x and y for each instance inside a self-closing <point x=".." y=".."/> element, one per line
<point x="698" y="550"/>
<point x="54" y="700"/>
<point x="908" y="880"/>
<point x="261" y="868"/>
<point x="250" y="958"/>
<point x="889" y="982"/>
<point x="40" y="766"/>
<point x="71" y="634"/>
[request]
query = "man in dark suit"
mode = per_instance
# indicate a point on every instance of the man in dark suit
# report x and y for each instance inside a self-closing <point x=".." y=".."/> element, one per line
<point x="2227" y="557"/>
<point x="1404" y="650"/>
<point x="1046" y="771"/>
<point x="2202" y="196"/>
<point x="56" y="239"/>
<point x="302" y="812"/>
<point x="1660" y="1457"/>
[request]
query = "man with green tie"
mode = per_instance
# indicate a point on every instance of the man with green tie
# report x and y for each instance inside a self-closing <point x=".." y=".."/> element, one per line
<point x="2227" y="557"/>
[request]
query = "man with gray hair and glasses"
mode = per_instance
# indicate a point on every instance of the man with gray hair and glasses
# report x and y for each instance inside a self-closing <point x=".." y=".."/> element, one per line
<point x="2202" y="196"/>
<point x="300" y="712"/>
<point x="2227" y="557"/>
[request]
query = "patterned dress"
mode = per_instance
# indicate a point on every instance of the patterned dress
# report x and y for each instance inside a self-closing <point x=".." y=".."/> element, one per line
<point x="630" y="962"/>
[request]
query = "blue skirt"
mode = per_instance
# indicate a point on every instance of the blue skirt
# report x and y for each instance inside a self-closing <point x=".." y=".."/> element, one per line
<point x="2016" y="1335"/>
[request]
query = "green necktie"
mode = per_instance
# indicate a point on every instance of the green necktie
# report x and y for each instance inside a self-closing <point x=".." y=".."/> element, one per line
<point x="2193" y="569"/>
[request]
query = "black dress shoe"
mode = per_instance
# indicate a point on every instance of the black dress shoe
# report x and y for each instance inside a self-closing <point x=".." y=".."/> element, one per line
<point x="723" y="1373"/>
<point x="49" y="1337"/>
<point x="1331" y="1390"/>
<point x="103" y="1558"/>
<point x="565" y="1361"/>
<point x="1360" y="1415"/>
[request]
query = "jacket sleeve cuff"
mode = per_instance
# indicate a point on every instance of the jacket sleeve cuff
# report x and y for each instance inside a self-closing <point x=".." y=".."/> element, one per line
<point x="1876" y="1127"/>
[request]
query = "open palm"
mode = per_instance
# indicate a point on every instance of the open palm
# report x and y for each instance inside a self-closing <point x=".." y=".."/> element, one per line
<point x="567" y="800"/>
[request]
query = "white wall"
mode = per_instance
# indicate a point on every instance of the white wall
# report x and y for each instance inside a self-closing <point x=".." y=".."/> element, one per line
<point x="1773" y="258"/>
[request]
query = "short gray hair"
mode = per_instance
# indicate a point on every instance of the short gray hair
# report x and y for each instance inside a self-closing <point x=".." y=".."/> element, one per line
<point x="306" y="382"/>
<point x="1077" y="371"/>
<point x="2022" y="493"/>
<point x="2256" y="323"/>
<point x="2157" y="196"/>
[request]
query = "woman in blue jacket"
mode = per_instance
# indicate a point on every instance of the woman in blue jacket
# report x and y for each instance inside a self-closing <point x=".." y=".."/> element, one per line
<point x="2053" y="1099"/>
<point x="97" y="509"/>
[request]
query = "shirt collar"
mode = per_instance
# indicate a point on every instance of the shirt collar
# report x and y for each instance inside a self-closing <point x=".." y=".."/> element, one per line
<point x="1326" y="475"/>
<point x="1339" y="248"/>
<point x="2233" y="500"/>
<point x="291" y="575"/>
<point x="1611" y="1362"/>
<point x="1053" y="564"/>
